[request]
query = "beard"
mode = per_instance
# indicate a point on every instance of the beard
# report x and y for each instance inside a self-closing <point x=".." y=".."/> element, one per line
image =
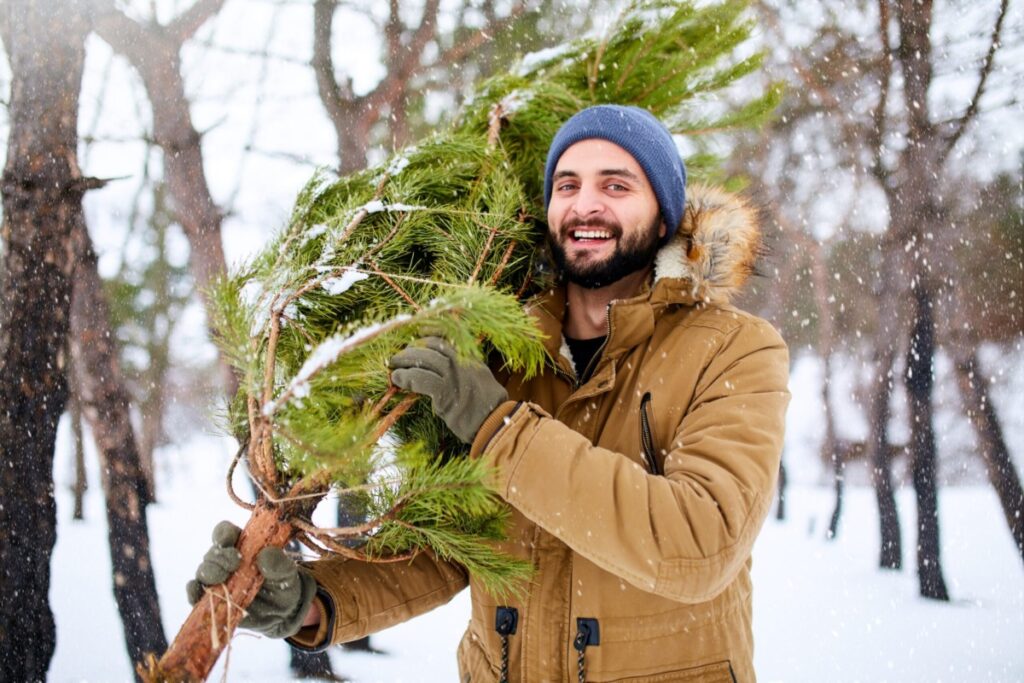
<point x="629" y="256"/>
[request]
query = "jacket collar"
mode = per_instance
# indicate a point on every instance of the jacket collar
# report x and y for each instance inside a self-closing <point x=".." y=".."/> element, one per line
<point x="707" y="261"/>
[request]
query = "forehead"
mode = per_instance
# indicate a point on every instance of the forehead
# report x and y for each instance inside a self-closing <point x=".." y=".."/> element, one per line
<point x="596" y="155"/>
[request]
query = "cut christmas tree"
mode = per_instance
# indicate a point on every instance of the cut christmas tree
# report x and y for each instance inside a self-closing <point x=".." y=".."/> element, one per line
<point x="444" y="238"/>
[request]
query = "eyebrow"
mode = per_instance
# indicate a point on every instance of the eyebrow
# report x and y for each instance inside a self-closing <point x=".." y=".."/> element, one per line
<point x="622" y="172"/>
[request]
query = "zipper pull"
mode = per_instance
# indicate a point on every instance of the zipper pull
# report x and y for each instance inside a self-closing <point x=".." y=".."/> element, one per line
<point x="587" y="634"/>
<point x="506" y="619"/>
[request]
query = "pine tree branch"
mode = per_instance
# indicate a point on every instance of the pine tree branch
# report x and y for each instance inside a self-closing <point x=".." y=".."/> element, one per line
<point x="972" y="109"/>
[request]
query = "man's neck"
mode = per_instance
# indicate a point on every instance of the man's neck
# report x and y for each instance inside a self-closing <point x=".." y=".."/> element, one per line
<point x="587" y="314"/>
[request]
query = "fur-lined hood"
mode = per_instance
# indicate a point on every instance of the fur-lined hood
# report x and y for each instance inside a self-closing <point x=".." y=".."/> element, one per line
<point x="716" y="247"/>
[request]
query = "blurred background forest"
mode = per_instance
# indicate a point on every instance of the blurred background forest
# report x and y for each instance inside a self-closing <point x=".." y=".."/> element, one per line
<point x="169" y="139"/>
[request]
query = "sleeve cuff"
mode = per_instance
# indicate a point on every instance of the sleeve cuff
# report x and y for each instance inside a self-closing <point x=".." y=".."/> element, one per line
<point x="317" y="638"/>
<point x="491" y="426"/>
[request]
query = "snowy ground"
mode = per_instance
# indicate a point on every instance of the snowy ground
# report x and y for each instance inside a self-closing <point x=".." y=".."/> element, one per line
<point x="822" y="610"/>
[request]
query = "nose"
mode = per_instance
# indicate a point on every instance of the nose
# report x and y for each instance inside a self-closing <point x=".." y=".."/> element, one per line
<point x="588" y="201"/>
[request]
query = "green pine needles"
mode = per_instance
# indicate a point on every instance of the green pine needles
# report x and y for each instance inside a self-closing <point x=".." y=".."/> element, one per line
<point x="442" y="239"/>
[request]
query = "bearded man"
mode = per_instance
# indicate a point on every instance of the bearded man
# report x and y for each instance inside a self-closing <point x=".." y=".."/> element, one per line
<point x="639" y="465"/>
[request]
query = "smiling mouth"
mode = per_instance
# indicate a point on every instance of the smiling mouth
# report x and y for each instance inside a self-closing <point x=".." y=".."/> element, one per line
<point x="590" y="234"/>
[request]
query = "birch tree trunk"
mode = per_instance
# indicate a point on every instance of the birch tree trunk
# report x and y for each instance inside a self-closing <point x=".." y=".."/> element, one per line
<point x="42" y="191"/>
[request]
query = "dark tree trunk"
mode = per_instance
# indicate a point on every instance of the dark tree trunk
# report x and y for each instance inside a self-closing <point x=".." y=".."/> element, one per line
<point x="316" y="665"/>
<point x="891" y="551"/>
<point x="920" y="381"/>
<point x="106" y="402"/>
<point x="42" y="198"/>
<point x="1001" y="471"/>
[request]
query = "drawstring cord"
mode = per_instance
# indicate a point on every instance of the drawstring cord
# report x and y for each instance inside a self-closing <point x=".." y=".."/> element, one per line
<point x="505" y="621"/>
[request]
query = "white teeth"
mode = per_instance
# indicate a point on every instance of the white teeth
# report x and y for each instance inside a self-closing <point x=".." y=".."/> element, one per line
<point x="592" y="234"/>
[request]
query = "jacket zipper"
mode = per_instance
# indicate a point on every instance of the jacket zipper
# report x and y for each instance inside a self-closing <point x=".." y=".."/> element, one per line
<point x="600" y="350"/>
<point x="646" y="438"/>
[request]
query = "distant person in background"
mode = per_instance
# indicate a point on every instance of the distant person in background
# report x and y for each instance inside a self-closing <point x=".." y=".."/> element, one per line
<point x="639" y="465"/>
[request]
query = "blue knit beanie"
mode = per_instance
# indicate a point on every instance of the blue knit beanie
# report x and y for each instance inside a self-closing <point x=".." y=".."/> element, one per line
<point x="638" y="132"/>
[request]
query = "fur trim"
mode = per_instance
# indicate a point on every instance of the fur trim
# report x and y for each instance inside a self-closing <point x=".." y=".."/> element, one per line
<point x="564" y="351"/>
<point x="716" y="246"/>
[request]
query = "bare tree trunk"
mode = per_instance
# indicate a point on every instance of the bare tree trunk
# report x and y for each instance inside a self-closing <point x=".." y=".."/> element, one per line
<point x="891" y="547"/>
<point x="920" y="381"/>
<point x="81" y="484"/>
<point x="998" y="463"/>
<point x="42" y="190"/>
<point x="154" y="51"/>
<point x="106" y="405"/>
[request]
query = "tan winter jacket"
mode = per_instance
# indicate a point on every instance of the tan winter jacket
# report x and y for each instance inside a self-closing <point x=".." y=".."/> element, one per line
<point x="637" y="496"/>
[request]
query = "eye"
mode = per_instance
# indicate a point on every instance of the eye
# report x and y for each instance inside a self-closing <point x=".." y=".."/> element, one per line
<point x="616" y="187"/>
<point x="565" y="186"/>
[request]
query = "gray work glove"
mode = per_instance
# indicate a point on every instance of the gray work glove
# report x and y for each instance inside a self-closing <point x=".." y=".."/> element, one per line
<point x="283" y="600"/>
<point x="463" y="392"/>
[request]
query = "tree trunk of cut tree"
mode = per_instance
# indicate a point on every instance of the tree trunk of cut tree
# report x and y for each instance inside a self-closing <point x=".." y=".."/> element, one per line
<point x="998" y="463"/>
<point x="920" y="381"/>
<point x="42" y="189"/>
<point x="213" y="620"/>
<point x="106" y="403"/>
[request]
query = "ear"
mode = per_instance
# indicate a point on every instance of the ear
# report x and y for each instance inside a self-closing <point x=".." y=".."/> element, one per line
<point x="662" y="230"/>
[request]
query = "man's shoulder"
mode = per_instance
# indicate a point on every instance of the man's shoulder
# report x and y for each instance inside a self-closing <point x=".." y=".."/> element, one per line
<point x="724" y="319"/>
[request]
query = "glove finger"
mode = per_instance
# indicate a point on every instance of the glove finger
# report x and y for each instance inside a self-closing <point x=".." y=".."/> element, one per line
<point x="217" y="565"/>
<point x="275" y="565"/>
<point x="226" y="534"/>
<point x="418" y="357"/>
<point x="418" y="381"/>
<point x="441" y="345"/>
<point x="194" y="591"/>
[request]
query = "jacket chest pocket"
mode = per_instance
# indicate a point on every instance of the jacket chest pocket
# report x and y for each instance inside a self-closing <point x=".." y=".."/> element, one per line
<point x="647" y="444"/>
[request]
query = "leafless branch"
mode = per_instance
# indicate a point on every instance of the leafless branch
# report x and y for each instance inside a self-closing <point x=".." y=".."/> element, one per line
<point x="986" y="69"/>
<point x="185" y="25"/>
<point x="120" y="31"/>
<point x="389" y="91"/>
<point x="323" y="64"/>
<point x="458" y="52"/>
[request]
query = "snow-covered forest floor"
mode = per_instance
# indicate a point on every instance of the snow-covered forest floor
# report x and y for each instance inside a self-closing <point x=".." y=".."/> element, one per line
<point x="822" y="610"/>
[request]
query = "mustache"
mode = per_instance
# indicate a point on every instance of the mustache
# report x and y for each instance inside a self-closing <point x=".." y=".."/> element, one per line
<point x="573" y="223"/>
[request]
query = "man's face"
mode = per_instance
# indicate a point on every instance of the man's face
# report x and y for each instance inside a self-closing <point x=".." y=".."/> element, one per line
<point x="603" y="219"/>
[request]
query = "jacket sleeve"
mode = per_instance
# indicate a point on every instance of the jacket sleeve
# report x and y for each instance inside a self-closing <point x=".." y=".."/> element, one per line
<point x="366" y="597"/>
<point x="684" y="535"/>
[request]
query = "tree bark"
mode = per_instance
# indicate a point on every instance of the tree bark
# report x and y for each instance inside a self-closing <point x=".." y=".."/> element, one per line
<point x="920" y="381"/>
<point x="154" y="52"/>
<point x="42" y="189"/>
<point x="998" y="463"/>
<point x="890" y="331"/>
<point x="81" y="484"/>
<point x="106" y="403"/>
